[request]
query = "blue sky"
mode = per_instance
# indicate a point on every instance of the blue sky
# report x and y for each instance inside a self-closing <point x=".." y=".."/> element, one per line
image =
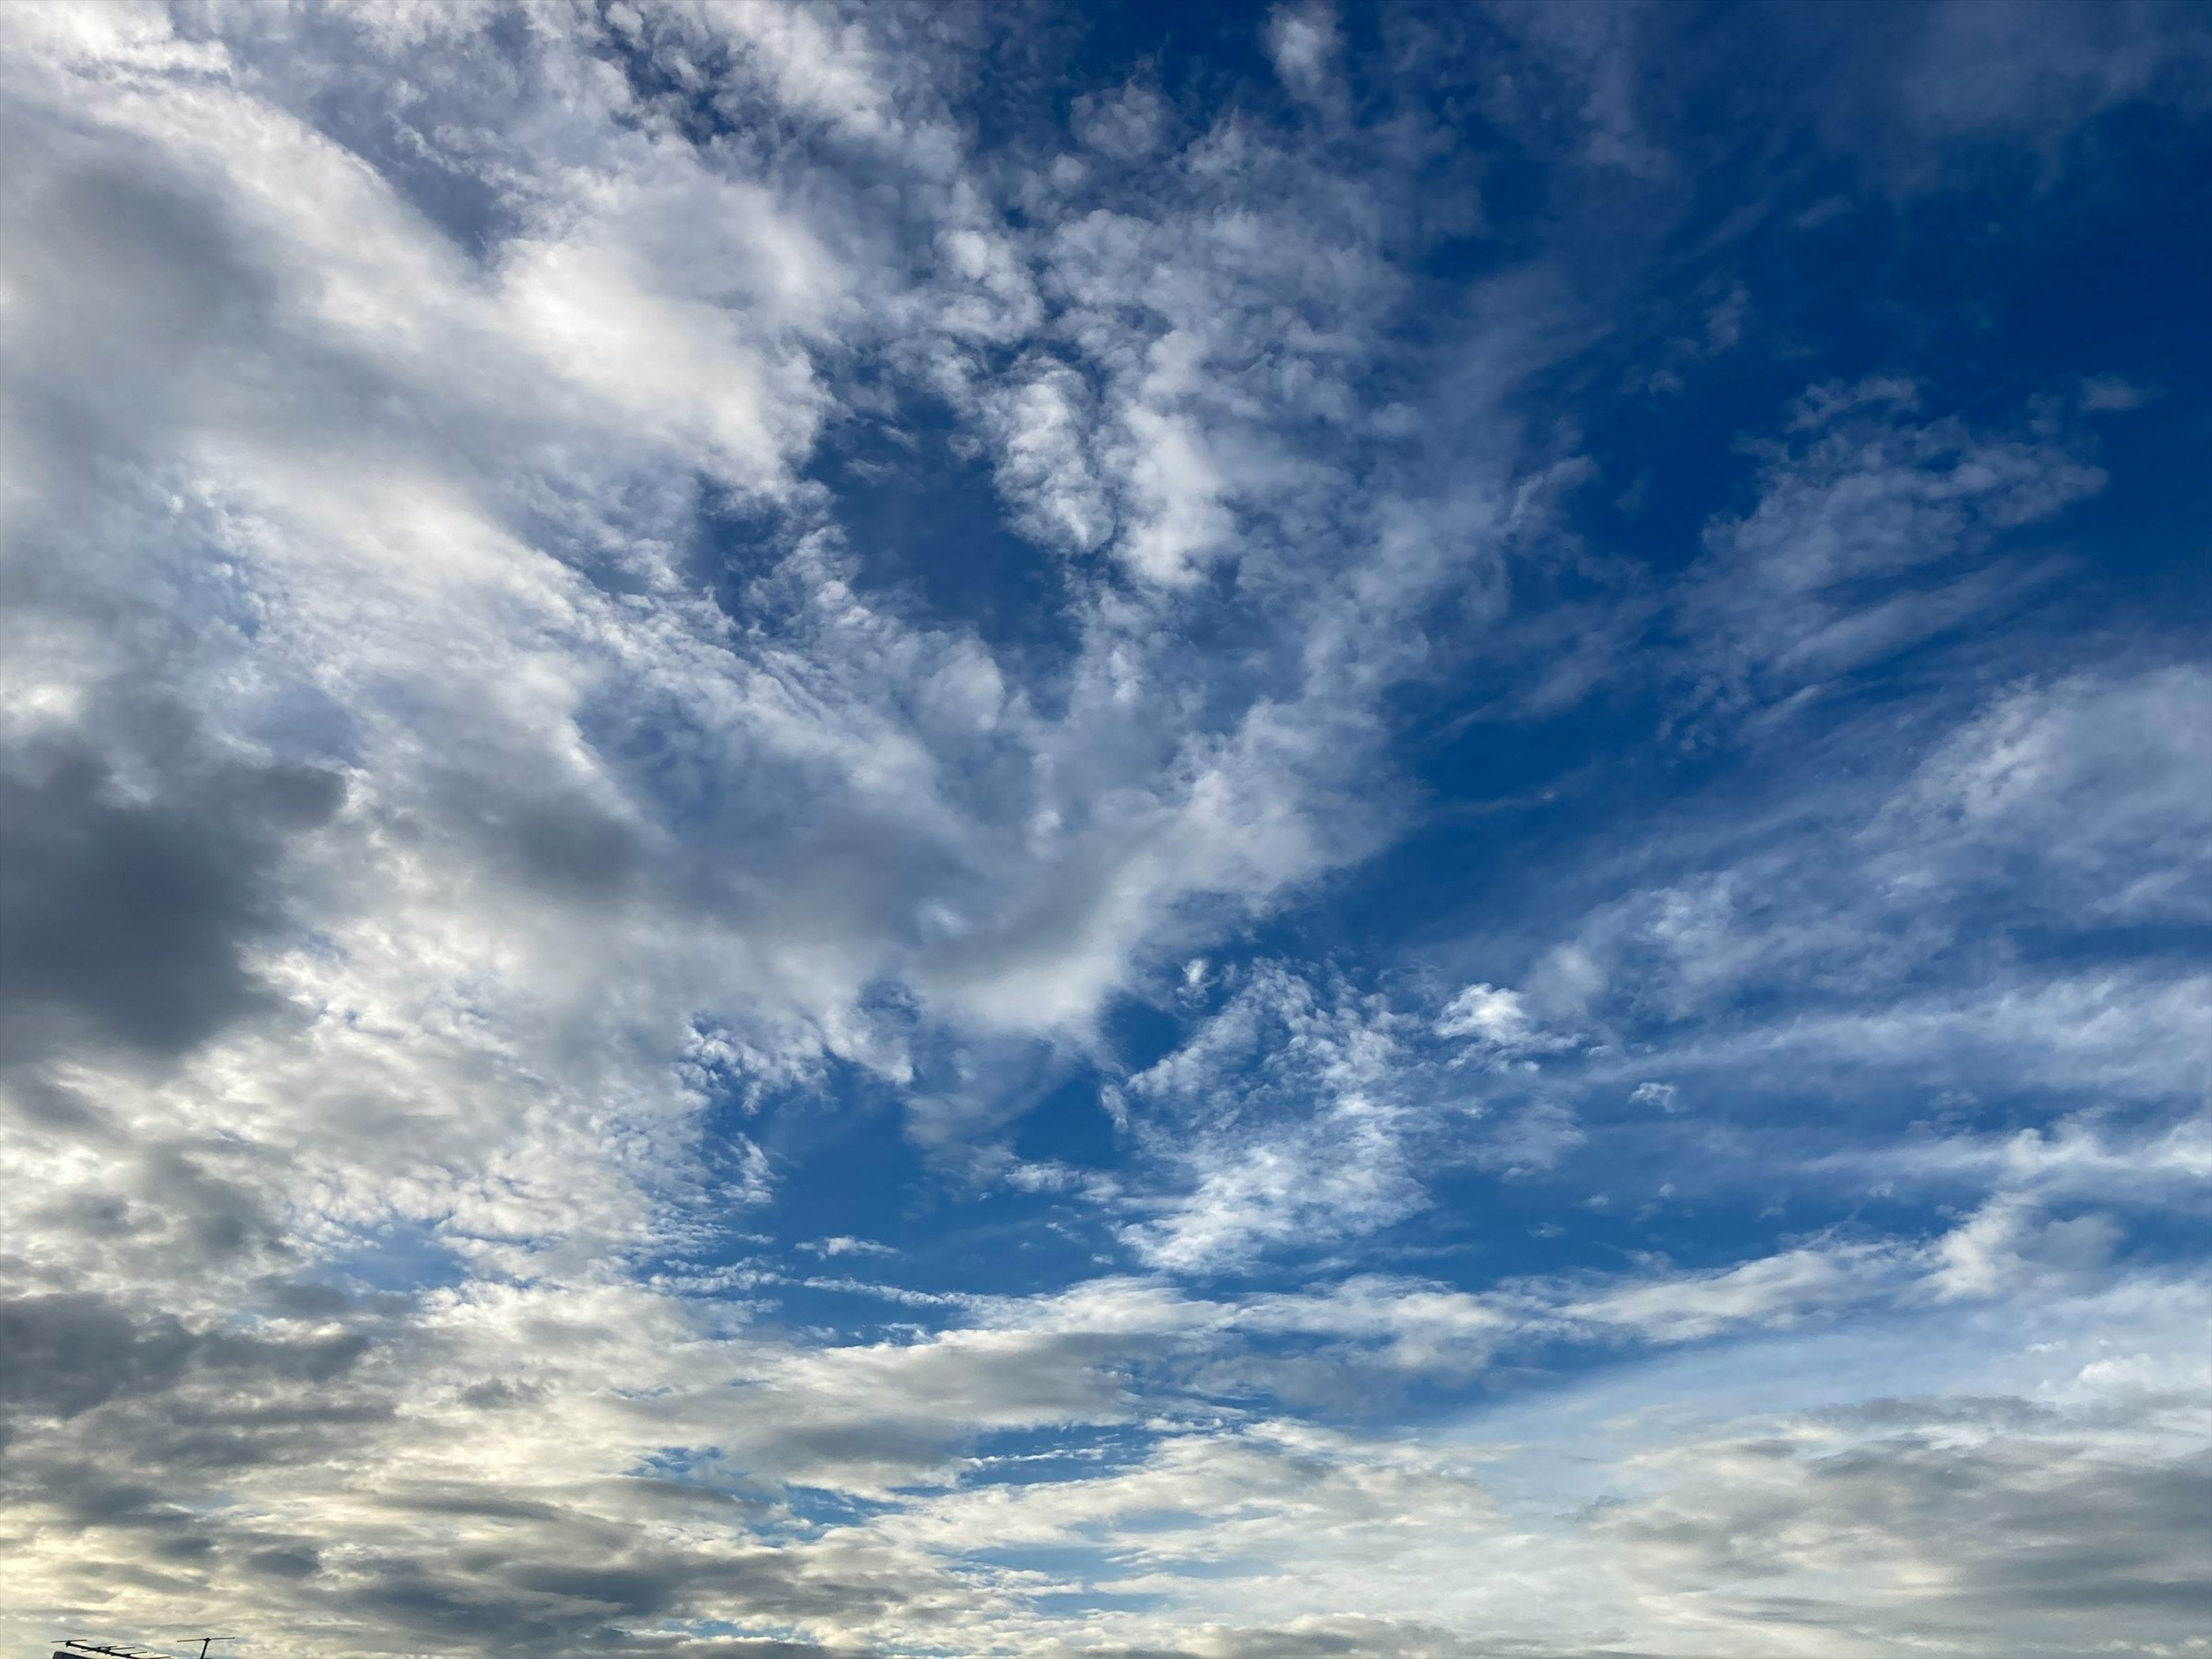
<point x="1193" y="830"/>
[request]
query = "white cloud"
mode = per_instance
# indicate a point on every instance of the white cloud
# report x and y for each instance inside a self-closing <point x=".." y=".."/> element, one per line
<point x="1784" y="597"/>
<point x="2093" y="782"/>
<point x="1126" y="125"/>
<point x="2112" y="394"/>
<point x="1310" y="1146"/>
<point x="1044" y="465"/>
<point x="1482" y="1010"/>
<point x="1302" y="42"/>
<point x="845" y="1244"/>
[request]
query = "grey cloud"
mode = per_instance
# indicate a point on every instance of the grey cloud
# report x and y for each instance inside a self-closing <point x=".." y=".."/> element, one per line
<point x="216" y="1217"/>
<point x="567" y="845"/>
<point x="304" y="1301"/>
<point x="1372" y="1638"/>
<point x="576" y="1587"/>
<point x="2047" y="1548"/>
<point x="127" y="919"/>
<point x="137" y="1433"/>
<point x="67" y="1354"/>
<point x="286" y="1561"/>
<point x="2002" y="1413"/>
<point x="142" y="298"/>
<point x="840" y="888"/>
<point x="159" y="1208"/>
<point x="564" y="1564"/>
<point x="86" y="1499"/>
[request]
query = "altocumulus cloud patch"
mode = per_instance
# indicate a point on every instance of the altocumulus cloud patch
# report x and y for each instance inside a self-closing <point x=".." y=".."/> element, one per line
<point x="908" y="829"/>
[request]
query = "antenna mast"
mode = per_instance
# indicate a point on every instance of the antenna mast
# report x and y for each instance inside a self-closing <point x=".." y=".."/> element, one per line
<point x="77" y="1648"/>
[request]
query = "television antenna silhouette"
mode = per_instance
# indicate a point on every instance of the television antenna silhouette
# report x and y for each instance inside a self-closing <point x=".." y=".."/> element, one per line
<point x="72" y="1648"/>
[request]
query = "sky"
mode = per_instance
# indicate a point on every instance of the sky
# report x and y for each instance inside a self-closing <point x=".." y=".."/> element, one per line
<point x="1169" y="831"/>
